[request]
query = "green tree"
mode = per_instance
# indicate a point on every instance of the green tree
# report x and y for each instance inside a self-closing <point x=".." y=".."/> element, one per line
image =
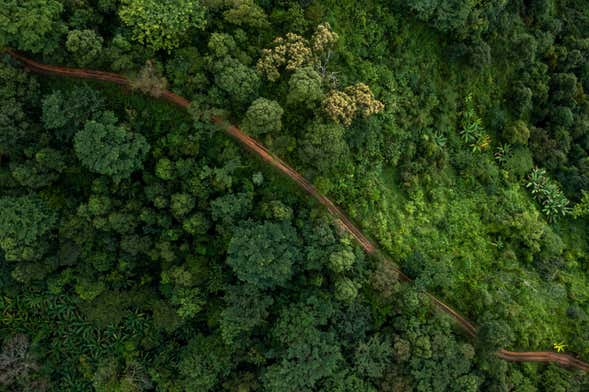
<point x="30" y="25"/>
<point x="517" y="133"/>
<point x="162" y="24"/>
<point x="45" y="167"/>
<point x="66" y="112"/>
<point x="222" y="44"/>
<point x="341" y="260"/>
<point x="85" y="45"/>
<point x="109" y="149"/>
<point x="246" y="13"/>
<point x="306" y="353"/>
<point x="247" y="308"/>
<point x="181" y="204"/>
<point x="324" y="146"/>
<point x="239" y="81"/>
<point x="493" y="335"/>
<point x="18" y="90"/>
<point x="263" y="116"/>
<point x="346" y="289"/>
<point x="204" y="362"/>
<point x="372" y="357"/>
<point x="304" y="87"/>
<point x="263" y="254"/>
<point x="25" y="226"/>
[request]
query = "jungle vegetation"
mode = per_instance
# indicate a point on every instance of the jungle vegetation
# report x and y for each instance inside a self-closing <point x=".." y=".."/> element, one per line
<point x="141" y="249"/>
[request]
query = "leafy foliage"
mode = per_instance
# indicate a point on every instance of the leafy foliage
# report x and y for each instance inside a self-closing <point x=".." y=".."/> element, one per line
<point x="162" y="24"/>
<point x="105" y="148"/>
<point x="141" y="249"/>
<point x="263" y="254"/>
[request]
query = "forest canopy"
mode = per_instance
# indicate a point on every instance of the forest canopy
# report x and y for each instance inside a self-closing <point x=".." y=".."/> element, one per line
<point x="144" y="249"/>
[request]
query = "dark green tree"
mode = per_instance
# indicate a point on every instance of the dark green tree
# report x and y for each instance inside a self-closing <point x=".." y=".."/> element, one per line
<point x="110" y="149"/>
<point x="247" y="308"/>
<point x="204" y="362"/>
<point x="25" y="226"/>
<point x="263" y="254"/>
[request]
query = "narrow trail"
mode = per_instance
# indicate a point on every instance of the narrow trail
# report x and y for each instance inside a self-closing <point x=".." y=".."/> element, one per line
<point x="340" y="217"/>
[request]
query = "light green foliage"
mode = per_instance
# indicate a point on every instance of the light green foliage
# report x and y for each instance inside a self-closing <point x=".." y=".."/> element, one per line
<point x="547" y="192"/>
<point x="31" y="25"/>
<point x="473" y="133"/>
<point x="324" y="146"/>
<point x="263" y="254"/>
<point x="196" y="224"/>
<point x="581" y="209"/>
<point x="162" y="24"/>
<point x="25" y="226"/>
<point x="85" y="45"/>
<point x="246" y="13"/>
<point x="304" y="87"/>
<point x="88" y="290"/>
<point x="517" y="133"/>
<point x="263" y="116"/>
<point x="341" y="260"/>
<point x="164" y="169"/>
<point x="183" y="294"/>
<point x="222" y="44"/>
<point x="346" y="290"/>
<point x="109" y="149"/>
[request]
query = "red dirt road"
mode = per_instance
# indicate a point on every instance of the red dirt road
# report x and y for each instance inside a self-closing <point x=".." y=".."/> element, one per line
<point x="340" y="217"/>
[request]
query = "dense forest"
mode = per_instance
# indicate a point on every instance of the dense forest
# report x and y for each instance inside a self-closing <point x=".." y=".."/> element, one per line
<point x="143" y="249"/>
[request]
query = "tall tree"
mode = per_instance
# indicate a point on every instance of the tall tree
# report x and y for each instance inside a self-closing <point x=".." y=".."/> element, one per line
<point x="106" y="148"/>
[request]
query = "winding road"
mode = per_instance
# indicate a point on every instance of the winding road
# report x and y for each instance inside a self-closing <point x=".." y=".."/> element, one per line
<point x="340" y="217"/>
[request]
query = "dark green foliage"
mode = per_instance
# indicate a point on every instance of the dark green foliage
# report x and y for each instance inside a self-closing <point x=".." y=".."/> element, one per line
<point x="106" y="148"/>
<point x="325" y="147"/>
<point x="247" y="308"/>
<point x="66" y="112"/>
<point x="25" y="226"/>
<point x="204" y="362"/>
<point x="263" y="254"/>
<point x="493" y="335"/>
<point x="18" y="91"/>
<point x="143" y="249"/>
